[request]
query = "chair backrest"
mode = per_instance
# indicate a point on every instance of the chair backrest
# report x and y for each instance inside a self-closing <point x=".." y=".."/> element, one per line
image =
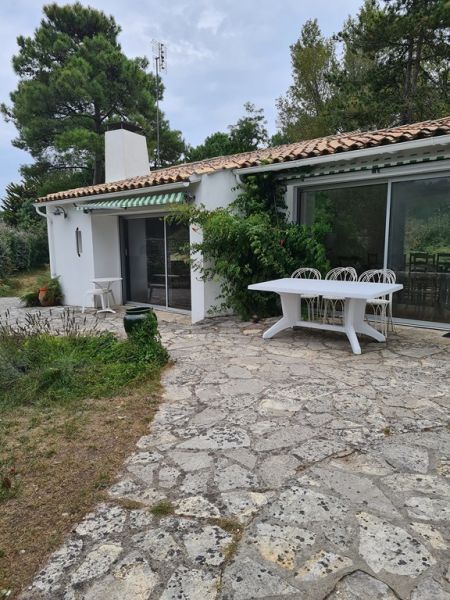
<point x="342" y="274"/>
<point x="306" y="273"/>
<point x="378" y="276"/>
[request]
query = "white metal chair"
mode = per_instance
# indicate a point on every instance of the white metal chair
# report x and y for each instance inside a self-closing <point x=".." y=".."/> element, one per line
<point x="308" y="273"/>
<point x="381" y="307"/>
<point x="336" y="274"/>
<point x="99" y="292"/>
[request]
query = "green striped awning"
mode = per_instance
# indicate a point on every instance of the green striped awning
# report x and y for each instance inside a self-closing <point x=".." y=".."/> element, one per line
<point x="136" y="202"/>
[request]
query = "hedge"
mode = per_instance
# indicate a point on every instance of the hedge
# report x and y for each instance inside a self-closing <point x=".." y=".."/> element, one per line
<point x="21" y="250"/>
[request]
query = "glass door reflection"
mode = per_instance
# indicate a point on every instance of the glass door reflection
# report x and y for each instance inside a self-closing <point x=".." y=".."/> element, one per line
<point x="419" y="248"/>
<point x="157" y="262"/>
<point x="178" y="269"/>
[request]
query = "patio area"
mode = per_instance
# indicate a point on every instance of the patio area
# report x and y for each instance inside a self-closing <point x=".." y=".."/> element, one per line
<point x="288" y="468"/>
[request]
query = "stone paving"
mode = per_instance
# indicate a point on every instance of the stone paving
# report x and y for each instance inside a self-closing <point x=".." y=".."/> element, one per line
<point x="289" y="468"/>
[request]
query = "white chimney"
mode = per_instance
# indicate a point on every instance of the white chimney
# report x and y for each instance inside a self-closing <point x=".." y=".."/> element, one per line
<point x="126" y="153"/>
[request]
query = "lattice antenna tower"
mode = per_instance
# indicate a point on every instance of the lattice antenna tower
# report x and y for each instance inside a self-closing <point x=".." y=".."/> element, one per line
<point x="159" y="50"/>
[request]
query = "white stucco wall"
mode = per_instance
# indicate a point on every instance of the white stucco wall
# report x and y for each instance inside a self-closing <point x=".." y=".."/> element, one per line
<point x="101" y="256"/>
<point x="75" y="272"/>
<point x="106" y="250"/>
<point x="126" y="155"/>
<point x="214" y="191"/>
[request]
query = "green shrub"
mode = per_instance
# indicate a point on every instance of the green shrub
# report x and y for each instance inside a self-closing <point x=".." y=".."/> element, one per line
<point x="146" y="343"/>
<point x="53" y="296"/>
<point x="6" y="289"/>
<point x="21" y="250"/>
<point x="41" y="363"/>
<point x="252" y="241"/>
<point x="30" y="298"/>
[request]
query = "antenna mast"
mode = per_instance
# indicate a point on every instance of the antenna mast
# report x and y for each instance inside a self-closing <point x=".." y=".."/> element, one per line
<point x="160" y="60"/>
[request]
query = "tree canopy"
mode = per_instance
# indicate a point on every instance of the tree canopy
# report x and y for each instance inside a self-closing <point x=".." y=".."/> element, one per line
<point x="74" y="79"/>
<point x="303" y="112"/>
<point x="248" y="133"/>
<point x="393" y="68"/>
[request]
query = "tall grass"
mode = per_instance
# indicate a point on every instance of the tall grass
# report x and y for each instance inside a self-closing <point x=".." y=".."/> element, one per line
<point x="41" y="363"/>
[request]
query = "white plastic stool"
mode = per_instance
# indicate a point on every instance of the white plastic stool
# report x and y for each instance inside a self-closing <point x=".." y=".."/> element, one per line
<point x="103" y="294"/>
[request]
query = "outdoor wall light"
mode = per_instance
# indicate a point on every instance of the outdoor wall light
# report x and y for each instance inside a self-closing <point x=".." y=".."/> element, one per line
<point x="59" y="210"/>
<point x="78" y="241"/>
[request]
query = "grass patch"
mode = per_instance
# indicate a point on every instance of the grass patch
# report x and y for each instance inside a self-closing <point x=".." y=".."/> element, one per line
<point x="71" y="409"/>
<point x="162" y="509"/>
<point x="236" y="530"/>
<point x="18" y="284"/>
<point x="59" y="478"/>
<point x="9" y="483"/>
<point x="39" y="367"/>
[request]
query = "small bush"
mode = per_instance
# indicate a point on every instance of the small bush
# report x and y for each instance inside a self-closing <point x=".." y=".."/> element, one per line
<point x="252" y="241"/>
<point x="53" y="295"/>
<point x="6" y="289"/>
<point x="146" y="343"/>
<point x="40" y="363"/>
<point x="30" y="298"/>
<point x="22" y="249"/>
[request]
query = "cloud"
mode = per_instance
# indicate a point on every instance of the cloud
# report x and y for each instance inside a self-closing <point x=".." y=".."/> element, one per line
<point x="220" y="54"/>
<point x="210" y="20"/>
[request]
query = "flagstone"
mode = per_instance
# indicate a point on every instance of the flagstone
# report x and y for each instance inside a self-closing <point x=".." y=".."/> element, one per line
<point x="286" y="468"/>
<point x="386" y="547"/>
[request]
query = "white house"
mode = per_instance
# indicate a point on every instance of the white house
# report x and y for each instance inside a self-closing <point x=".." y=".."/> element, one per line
<point x="388" y="193"/>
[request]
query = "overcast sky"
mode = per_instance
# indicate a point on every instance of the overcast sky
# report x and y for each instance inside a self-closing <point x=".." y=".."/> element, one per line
<point x="221" y="53"/>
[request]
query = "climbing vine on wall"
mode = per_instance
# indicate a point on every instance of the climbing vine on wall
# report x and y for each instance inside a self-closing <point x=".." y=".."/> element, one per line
<point x="250" y="241"/>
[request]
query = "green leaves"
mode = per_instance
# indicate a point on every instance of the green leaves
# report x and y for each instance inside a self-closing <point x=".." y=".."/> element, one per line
<point x="303" y="112"/>
<point x="249" y="133"/>
<point x="74" y="79"/>
<point x="251" y="241"/>
<point x="406" y="46"/>
<point x="394" y="68"/>
<point x="37" y="366"/>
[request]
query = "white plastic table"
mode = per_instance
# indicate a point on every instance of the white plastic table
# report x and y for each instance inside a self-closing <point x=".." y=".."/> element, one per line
<point x="105" y="283"/>
<point x="354" y="293"/>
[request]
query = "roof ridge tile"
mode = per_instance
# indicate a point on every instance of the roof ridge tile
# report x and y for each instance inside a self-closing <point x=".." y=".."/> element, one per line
<point x="336" y="143"/>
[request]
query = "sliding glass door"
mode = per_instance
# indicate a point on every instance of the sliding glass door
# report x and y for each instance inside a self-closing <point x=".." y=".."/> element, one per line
<point x="157" y="262"/>
<point x="178" y="272"/>
<point x="417" y="215"/>
<point x="357" y="216"/>
<point x="419" y="248"/>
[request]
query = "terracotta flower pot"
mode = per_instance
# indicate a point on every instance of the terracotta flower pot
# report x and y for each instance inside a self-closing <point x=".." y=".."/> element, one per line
<point x="42" y="296"/>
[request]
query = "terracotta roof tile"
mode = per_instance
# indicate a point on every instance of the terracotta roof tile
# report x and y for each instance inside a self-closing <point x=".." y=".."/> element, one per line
<point x="332" y="144"/>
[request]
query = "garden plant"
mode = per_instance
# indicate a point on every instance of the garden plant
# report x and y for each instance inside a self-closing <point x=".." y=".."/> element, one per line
<point x="253" y="240"/>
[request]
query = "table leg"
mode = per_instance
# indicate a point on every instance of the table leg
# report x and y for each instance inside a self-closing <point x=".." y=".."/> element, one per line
<point x="351" y="308"/>
<point x="367" y="329"/>
<point x="102" y="298"/>
<point x="289" y="304"/>
<point x="354" y="310"/>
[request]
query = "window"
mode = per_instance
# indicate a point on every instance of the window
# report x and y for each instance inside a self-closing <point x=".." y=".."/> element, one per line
<point x="158" y="268"/>
<point x="358" y="220"/>
<point x="419" y="248"/>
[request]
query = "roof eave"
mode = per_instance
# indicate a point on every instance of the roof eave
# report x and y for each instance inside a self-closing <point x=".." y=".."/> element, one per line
<point x="386" y="149"/>
<point x="111" y="195"/>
